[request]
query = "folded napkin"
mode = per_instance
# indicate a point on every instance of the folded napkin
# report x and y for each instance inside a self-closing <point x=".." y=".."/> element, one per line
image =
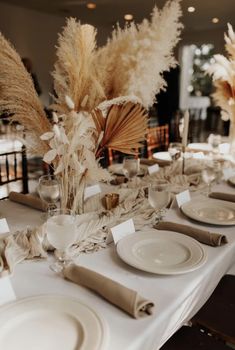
<point x="117" y="294"/>
<point x="29" y="200"/>
<point x="206" y="237"/>
<point x="223" y="196"/>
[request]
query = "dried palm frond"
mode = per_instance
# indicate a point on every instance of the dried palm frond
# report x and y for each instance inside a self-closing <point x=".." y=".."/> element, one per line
<point x="74" y="73"/>
<point x="18" y="96"/>
<point x="122" y="129"/>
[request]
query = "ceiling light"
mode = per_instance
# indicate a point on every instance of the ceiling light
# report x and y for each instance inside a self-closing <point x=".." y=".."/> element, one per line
<point x="215" y="20"/>
<point x="191" y="9"/>
<point x="128" y="17"/>
<point x="91" y="5"/>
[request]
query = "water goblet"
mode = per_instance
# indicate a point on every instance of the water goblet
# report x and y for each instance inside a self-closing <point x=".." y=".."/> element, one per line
<point x="61" y="230"/>
<point x="131" y="167"/>
<point x="208" y="176"/>
<point x="49" y="190"/>
<point x="158" y="196"/>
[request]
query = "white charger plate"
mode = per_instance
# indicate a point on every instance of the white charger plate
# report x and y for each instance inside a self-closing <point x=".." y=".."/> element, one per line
<point x="161" y="252"/>
<point x="51" y="322"/>
<point x="206" y="147"/>
<point x="163" y="156"/>
<point x="118" y="169"/>
<point x="231" y="180"/>
<point x="210" y="211"/>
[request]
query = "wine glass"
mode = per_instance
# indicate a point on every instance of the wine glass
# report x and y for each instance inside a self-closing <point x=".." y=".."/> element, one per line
<point x="158" y="196"/>
<point x="208" y="176"/>
<point x="131" y="167"/>
<point x="49" y="190"/>
<point x="61" y="234"/>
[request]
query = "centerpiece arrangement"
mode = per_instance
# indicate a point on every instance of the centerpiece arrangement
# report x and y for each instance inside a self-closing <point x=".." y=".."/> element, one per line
<point x="223" y="73"/>
<point x="101" y="96"/>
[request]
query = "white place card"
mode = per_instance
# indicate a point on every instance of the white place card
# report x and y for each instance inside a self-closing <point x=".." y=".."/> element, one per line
<point x="122" y="230"/>
<point x="228" y="172"/>
<point x="91" y="191"/>
<point x="153" y="169"/>
<point x="6" y="290"/>
<point x="182" y="198"/>
<point x="4" y="228"/>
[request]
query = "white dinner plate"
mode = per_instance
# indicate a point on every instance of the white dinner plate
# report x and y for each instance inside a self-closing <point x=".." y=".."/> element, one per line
<point x="162" y="156"/>
<point x="210" y="211"/>
<point x="118" y="169"/>
<point x="231" y="180"/>
<point x="161" y="252"/>
<point x="206" y="147"/>
<point x="51" y="322"/>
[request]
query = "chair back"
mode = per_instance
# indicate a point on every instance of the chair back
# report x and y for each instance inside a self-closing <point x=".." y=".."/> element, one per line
<point x="13" y="168"/>
<point x="157" y="139"/>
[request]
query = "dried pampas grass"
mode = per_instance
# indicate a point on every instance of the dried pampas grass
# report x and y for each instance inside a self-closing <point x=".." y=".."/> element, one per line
<point x="19" y="98"/>
<point x="122" y="128"/>
<point x="132" y="61"/>
<point x="75" y="70"/>
<point x="223" y="73"/>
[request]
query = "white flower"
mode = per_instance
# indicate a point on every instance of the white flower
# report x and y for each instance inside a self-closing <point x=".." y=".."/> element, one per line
<point x="57" y="131"/>
<point x="69" y="102"/>
<point x="55" y="117"/>
<point x="50" y="156"/>
<point x="47" y="136"/>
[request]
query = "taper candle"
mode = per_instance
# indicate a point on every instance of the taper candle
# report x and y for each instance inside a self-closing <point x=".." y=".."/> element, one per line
<point x="185" y="130"/>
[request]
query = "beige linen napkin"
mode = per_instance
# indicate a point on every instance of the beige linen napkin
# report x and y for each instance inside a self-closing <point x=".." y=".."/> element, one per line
<point x="29" y="200"/>
<point x="206" y="237"/>
<point x="117" y="294"/>
<point x="223" y="196"/>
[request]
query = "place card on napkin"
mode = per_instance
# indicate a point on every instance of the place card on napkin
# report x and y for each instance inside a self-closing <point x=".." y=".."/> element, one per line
<point x="230" y="197"/>
<point x="120" y="231"/>
<point x="228" y="172"/>
<point x="124" y="298"/>
<point x="153" y="169"/>
<point x="4" y="228"/>
<point x="6" y="290"/>
<point x="182" y="198"/>
<point x="206" y="237"/>
<point x="29" y="200"/>
<point x="91" y="191"/>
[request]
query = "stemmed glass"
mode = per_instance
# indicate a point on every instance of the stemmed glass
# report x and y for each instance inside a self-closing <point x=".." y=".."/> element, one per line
<point x="208" y="176"/>
<point x="131" y="167"/>
<point x="61" y="234"/>
<point x="49" y="190"/>
<point x="158" y="196"/>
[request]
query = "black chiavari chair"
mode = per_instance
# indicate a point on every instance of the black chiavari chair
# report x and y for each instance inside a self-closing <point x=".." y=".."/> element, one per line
<point x="13" y="168"/>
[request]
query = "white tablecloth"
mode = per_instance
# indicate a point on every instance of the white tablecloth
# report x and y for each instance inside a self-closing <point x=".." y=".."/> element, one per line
<point x="177" y="298"/>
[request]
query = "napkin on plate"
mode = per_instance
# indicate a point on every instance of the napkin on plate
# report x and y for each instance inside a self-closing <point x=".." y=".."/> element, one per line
<point x="206" y="237"/>
<point x="230" y="197"/>
<point x="117" y="294"/>
<point x="29" y="200"/>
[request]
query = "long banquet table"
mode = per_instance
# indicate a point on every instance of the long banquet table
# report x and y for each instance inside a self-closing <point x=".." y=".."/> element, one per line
<point x="177" y="297"/>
